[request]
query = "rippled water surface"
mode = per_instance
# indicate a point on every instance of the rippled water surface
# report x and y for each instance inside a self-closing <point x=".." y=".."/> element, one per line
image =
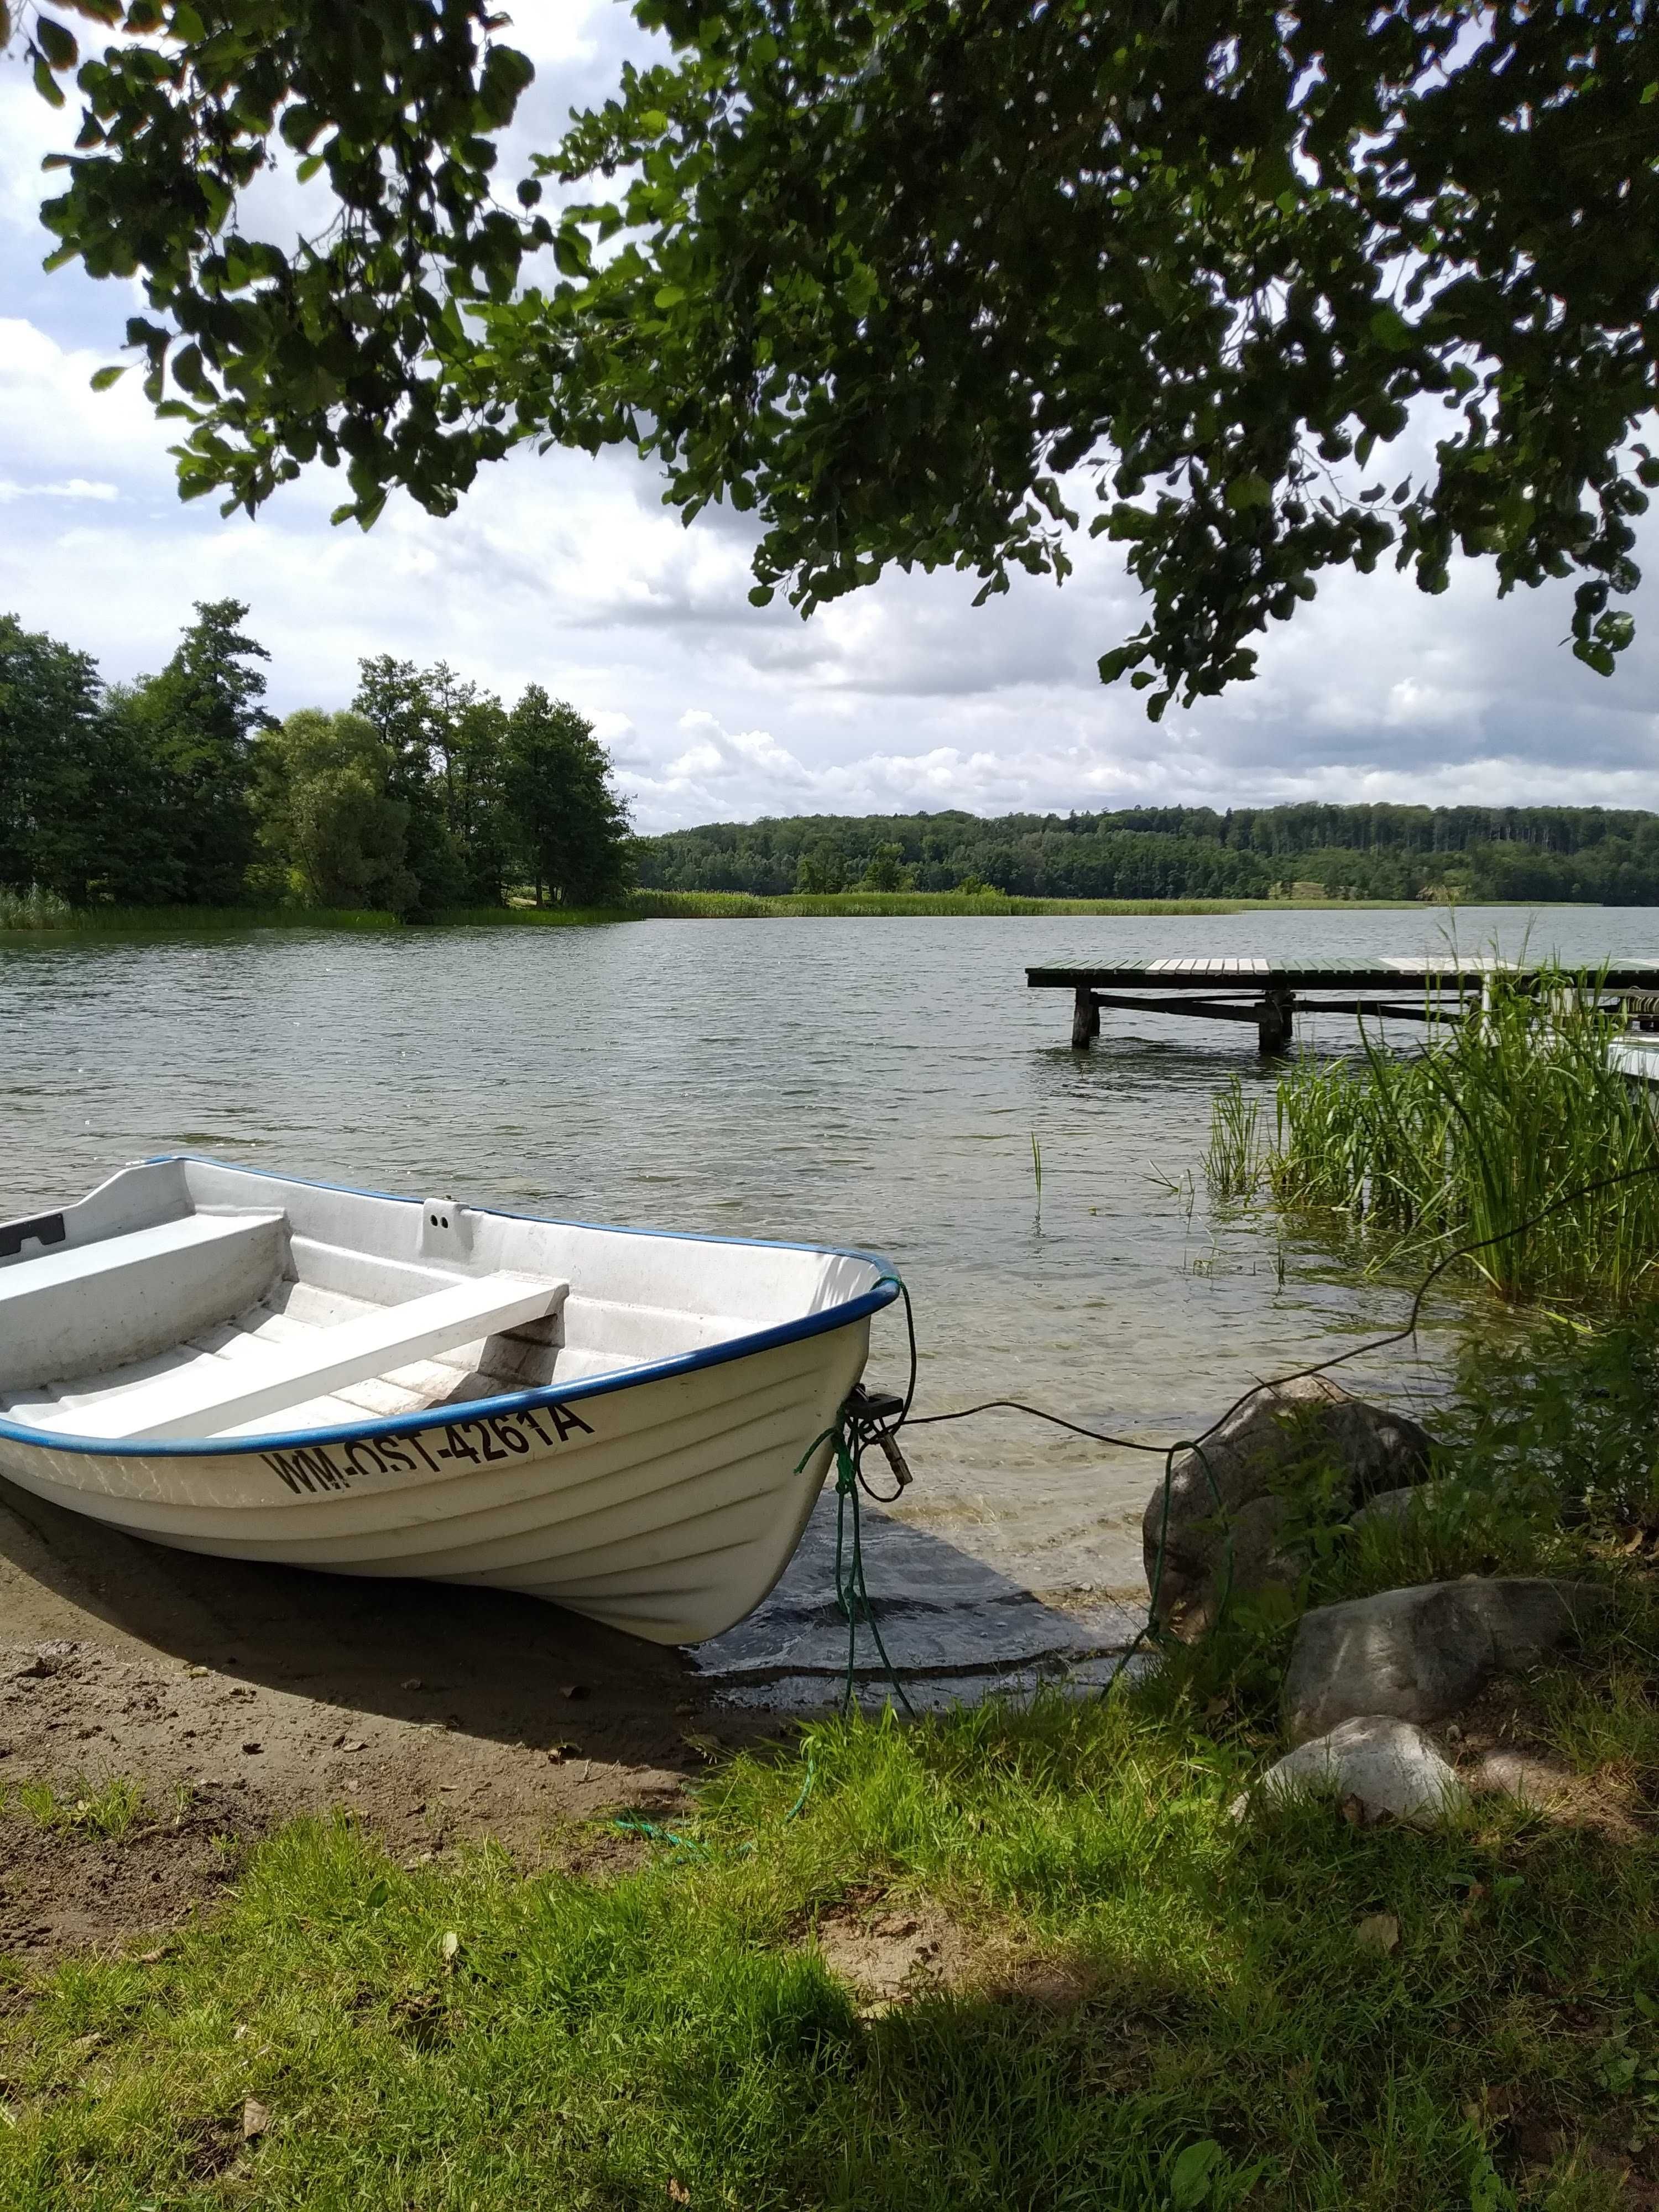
<point x="875" y="1083"/>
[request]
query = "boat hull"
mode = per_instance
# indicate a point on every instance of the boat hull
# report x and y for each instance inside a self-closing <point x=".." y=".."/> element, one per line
<point x="667" y="1507"/>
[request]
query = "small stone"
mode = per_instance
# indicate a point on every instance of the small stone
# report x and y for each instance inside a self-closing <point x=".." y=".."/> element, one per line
<point x="1384" y="1765"/>
<point x="348" y="1743"/>
<point x="1393" y="1505"/>
<point x="1378" y="1931"/>
<point x="251" y="1748"/>
<point x="574" y="1690"/>
<point x="196" y="1673"/>
<point x="414" y="1683"/>
<point x="1513" y="1774"/>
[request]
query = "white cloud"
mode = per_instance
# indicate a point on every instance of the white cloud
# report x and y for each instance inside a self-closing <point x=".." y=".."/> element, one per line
<point x="76" y="488"/>
<point x="570" y="572"/>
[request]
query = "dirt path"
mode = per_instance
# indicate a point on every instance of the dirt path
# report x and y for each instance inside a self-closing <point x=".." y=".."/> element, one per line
<point x="237" y="1695"/>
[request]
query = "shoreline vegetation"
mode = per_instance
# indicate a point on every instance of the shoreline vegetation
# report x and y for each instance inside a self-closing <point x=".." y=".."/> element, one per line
<point x="26" y="914"/>
<point x="429" y="799"/>
<point x="1508" y="1127"/>
<point x="1020" y="1955"/>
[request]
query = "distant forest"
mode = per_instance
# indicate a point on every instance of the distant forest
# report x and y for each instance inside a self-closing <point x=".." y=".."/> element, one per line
<point x="1478" y="852"/>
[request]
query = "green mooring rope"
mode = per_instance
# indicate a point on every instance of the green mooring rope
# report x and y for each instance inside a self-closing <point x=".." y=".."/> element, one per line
<point x="852" y="1594"/>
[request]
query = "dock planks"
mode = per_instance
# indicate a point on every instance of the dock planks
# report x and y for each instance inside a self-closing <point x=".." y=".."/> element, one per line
<point x="1253" y="972"/>
<point x="1248" y="987"/>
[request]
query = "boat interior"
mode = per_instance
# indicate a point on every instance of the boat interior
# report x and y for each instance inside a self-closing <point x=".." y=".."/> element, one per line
<point x="184" y="1300"/>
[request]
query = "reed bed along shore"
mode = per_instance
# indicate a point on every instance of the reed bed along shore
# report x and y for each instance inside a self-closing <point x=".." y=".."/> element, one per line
<point x="1509" y="1130"/>
<point x="34" y="911"/>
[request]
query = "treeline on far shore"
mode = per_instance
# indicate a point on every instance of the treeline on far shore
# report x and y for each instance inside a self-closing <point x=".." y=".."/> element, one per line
<point x="1481" y="855"/>
<point x="425" y="795"/>
<point x="428" y="797"/>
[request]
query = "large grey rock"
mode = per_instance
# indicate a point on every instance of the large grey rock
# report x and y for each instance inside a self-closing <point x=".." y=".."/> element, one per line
<point x="1422" y="1653"/>
<point x="1386" y="1765"/>
<point x="1278" y="1440"/>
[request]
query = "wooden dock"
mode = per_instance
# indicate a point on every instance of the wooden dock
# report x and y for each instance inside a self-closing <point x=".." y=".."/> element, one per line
<point x="1250" y="988"/>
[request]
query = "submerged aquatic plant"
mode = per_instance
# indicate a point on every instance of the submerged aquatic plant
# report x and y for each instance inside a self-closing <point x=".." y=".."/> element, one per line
<point x="1512" y="1113"/>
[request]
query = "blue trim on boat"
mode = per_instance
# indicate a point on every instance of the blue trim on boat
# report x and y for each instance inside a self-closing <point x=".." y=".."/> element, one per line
<point x="881" y="1294"/>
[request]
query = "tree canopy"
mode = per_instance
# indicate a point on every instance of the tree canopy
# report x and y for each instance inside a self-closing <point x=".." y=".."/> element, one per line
<point x="180" y="789"/>
<point x="899" y="277"/>
<point x="1482" y="854"/>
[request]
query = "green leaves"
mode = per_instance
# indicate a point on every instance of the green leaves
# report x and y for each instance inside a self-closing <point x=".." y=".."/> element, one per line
<point x="56" y="43"/>
<point x="1248" y="490"/>
<point x="891" y="278"/>
<point x="1391" y="330"/>
<point x="103" y="378"/>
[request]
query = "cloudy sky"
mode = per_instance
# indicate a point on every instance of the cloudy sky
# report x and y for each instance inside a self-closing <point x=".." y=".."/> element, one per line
<point x="570" y="572"/>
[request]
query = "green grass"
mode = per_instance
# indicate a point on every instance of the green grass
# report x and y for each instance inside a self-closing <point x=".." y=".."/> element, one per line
<point x="1233" y="1159"/>
<point x="531" y="917"/>
<point x="1163" y="2008"/>
<point x="109" y="1808"/>
<point x="33" y="912"/>
<point x="206" y="920"/>
<point x="712" y="906"/>
<point x="599" y="2045"/>
<point x="1499" y="1120"/>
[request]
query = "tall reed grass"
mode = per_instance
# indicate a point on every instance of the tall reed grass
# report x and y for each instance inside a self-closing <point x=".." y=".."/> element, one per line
<point x="40" y="910"/>
<point x="1512" y="1113"/>
<point x="35" y="908"/>
<point x="1233" y="1164"/>
<point x="725" y="906"/>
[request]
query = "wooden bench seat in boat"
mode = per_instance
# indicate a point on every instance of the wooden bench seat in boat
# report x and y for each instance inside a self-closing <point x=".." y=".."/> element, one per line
<point x="73" y="1309"/>
<point x="206" y="1398"/>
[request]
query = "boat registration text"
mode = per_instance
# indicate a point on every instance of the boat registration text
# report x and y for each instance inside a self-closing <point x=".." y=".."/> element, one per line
<point x="496" y="1437"/>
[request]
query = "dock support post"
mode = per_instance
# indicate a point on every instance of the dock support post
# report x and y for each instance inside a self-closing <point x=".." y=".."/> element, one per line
<point x="1085" y="1018"/>
<point x="1275" y="1024"/>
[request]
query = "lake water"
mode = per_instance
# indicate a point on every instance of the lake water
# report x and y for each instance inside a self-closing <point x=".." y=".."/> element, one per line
<point x="876" y="1082"/>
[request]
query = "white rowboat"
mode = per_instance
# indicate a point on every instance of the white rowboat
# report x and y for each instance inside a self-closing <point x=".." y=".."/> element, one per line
<point x="271" y="1368"/>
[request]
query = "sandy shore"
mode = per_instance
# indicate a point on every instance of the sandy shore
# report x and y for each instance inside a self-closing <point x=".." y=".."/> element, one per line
<point x="239" y="1695"/>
